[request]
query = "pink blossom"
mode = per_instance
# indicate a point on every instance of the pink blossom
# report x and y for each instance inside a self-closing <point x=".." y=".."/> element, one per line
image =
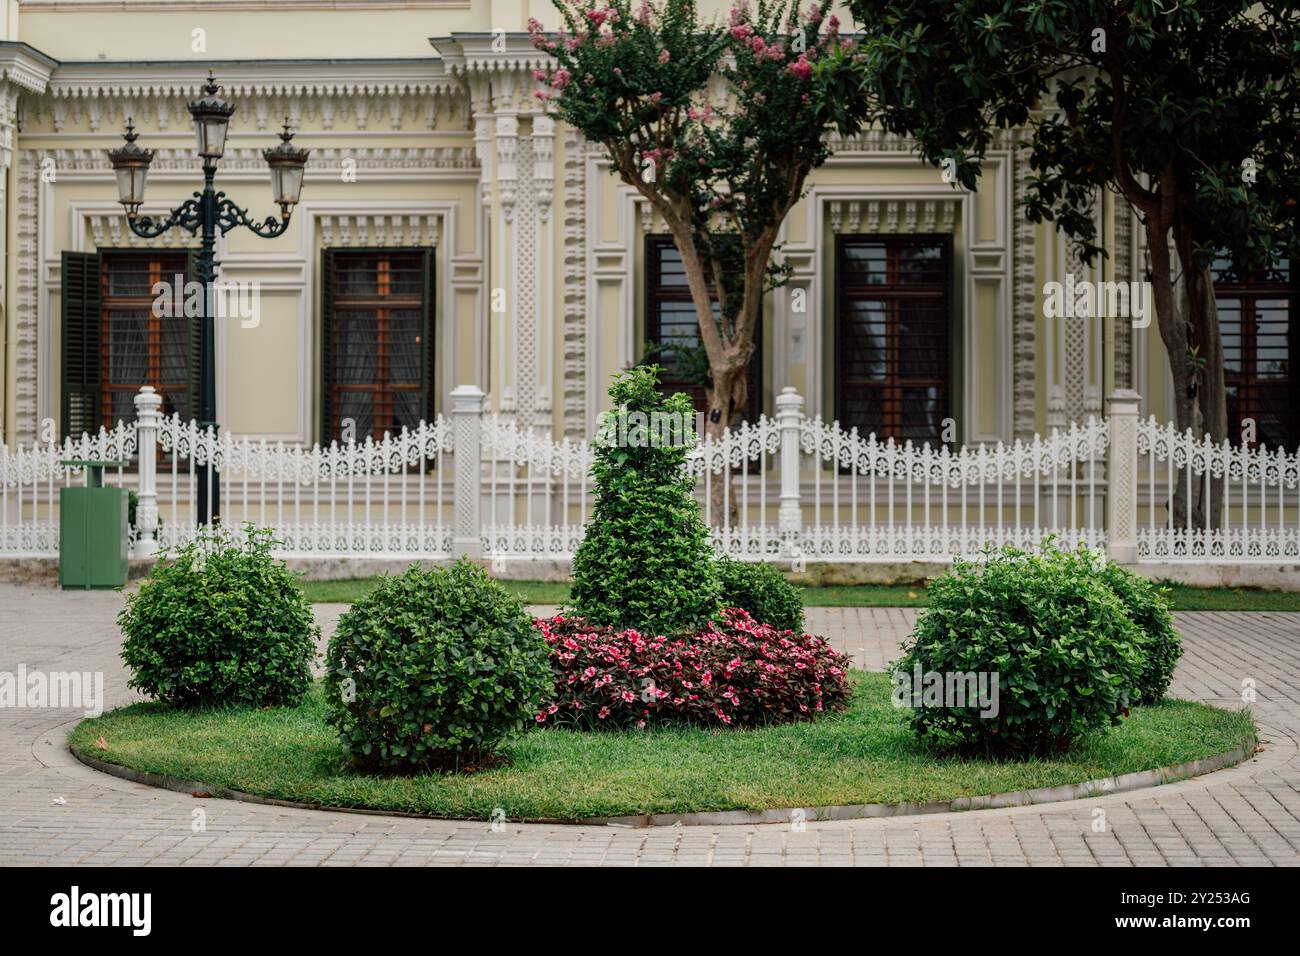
<point x="539" y="76"/>
<point x="801" y="67"/>
<point x="656" y="97"/>
<point x="664" y="56"/>
<point x="815" y="14"/>
<point x="741" y="31"/>
<point x="561" y="78"/>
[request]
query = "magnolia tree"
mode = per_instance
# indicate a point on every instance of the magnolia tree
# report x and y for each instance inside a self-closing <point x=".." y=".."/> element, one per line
<point x="1189" y="111"/>
<point x="717" y="125"/>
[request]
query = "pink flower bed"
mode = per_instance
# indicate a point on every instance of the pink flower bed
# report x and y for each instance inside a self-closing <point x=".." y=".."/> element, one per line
<point x="736" y="673"/>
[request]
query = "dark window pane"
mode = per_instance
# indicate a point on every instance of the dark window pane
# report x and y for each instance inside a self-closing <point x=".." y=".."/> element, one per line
<point x="1255" y="320"/>
<point x="863" y="340"/>
<point x="892" y="335"/>
<point x="379" y="325"/>
<point x="137" y="347"/>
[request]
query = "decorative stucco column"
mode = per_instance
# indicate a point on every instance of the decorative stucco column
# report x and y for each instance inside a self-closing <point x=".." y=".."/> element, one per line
<point x="467" y="436"/>
<point x="789" y="413"/>
<point x="1121" y="477"/>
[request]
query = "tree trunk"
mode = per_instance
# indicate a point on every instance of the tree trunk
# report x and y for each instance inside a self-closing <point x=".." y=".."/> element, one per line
<point x="1200" y="398"/>
<point x="1211" y="393"/>
<point x="727" y="397"/>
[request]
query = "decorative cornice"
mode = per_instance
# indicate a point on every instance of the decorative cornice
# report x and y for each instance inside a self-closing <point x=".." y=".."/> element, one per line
<point x="182" y="79"/>
<point x="467" y="54"/>
<point x="923" y="216"/>
<point x="25" y="67"/>
<point x="322" y="161"/>
<point x="380" y="229"/>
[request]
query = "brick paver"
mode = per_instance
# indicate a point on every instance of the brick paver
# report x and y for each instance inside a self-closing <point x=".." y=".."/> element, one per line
<point x="54" y="810"/>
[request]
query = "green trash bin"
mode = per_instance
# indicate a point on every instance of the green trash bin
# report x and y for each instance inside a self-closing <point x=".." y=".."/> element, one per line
<point x="92" y="530"/>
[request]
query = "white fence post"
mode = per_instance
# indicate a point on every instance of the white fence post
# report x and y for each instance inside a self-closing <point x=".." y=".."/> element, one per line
<point x="789" y="414"/>
<point x="467" y="439"/>
<point x="147" y="404"/>
<point x="1121" y="476"/>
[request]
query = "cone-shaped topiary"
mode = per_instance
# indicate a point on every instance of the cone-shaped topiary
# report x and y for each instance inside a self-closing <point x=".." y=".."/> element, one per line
<point x="645" y="560"/>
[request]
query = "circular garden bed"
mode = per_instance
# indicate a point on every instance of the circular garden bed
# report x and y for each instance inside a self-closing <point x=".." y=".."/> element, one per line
<point x="865" y="754"/>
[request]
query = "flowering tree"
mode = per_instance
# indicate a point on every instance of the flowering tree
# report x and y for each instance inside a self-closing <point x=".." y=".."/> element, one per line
<point x="717" y="125"/>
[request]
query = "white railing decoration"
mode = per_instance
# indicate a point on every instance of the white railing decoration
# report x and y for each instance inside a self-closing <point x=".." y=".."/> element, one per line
<point x="787" y="488"/>
<point x="1256" y="492"/>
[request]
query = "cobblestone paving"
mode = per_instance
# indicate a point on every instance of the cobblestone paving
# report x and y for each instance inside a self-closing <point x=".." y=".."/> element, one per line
<point x="54" y="810"/>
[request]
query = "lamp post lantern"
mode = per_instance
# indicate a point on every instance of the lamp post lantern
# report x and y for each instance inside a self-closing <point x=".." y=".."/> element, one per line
<point x="204" y="214"/>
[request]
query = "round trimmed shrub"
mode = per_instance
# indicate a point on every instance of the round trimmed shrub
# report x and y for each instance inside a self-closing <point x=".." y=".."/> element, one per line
<point x="763" y="591"/>
<point x="220" y="622"/>
<point x="434" y="670"/>
<point x="1065" y="655"/>
<point x="1148" y="607"/>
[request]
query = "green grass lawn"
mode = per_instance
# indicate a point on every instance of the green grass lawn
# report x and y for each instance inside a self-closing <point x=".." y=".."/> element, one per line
<point x="1184" y="598"/>
<point x="863" y="755"/>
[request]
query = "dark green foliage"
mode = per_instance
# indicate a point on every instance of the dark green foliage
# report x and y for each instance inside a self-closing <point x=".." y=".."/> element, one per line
<point x="220" y="622"/>
<point x="645" y="560"/>
<point x="1064" y="650"/>
<point x="1148" y="607"/>
<point x="1189" y="111"/>
<point x="434" y="669"/>
<point x="761" y="590"/>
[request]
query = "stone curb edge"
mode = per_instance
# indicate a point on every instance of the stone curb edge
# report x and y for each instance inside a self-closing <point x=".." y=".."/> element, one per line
<point x="1101" y="787"/>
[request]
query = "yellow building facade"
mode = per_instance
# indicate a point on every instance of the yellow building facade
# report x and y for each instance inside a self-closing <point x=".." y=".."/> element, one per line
<point x="451" y="234"/>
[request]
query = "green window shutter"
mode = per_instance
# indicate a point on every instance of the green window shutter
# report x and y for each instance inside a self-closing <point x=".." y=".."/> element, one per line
<point x="193" y="354"/>
<point x="427" y="338"/>
<point x="81" y="344"/>
<point x="326" y="346"/>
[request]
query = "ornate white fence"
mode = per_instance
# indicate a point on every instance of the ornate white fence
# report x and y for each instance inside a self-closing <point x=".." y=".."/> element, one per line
<point x="795" y="489"/>
<point x="30" y="479"/>
<point x="1200" y="501"/>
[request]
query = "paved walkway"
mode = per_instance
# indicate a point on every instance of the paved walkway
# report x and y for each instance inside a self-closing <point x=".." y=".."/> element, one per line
<point x="54" y="810"/>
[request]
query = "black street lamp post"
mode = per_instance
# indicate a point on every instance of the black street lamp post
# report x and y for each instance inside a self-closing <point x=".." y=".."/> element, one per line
<point x="204" y="214"/>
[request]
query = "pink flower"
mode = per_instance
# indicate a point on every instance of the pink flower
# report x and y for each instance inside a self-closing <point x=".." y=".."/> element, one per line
<point x="741" y="31"/>
<point x="655" y="98"/>
<point x="815" y="14"/>
<point x="561" y="78"/>
<point x="539" y="76"/>
<point x="758" y="45"/>
<point x="664" y="56"/>
<point x="801" y="67"/>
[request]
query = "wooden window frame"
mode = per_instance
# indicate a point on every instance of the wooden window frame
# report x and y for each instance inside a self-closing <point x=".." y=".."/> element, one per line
<point x="382" y="303"/>
<point x="1248" y="291"/>
<point x="894" y="295"/>
<point x="110" y="304"/>
<point x="656" y="293"/>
